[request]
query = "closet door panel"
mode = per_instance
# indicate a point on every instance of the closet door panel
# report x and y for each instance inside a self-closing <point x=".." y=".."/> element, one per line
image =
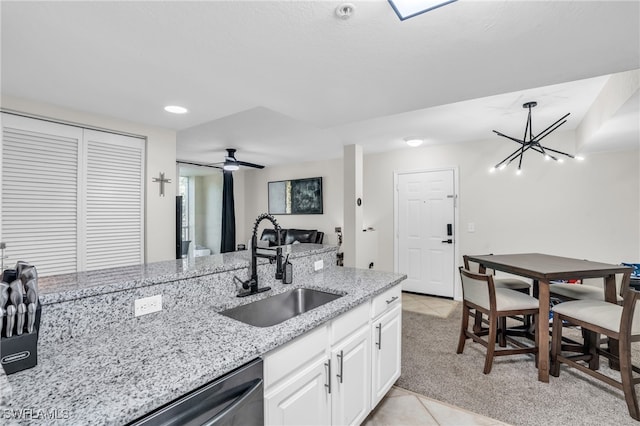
<point x="40" y="193"/>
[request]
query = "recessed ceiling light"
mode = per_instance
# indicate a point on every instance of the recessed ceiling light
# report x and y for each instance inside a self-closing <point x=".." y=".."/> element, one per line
<point x="175" y="109"/>
<point x="413" y="142"/>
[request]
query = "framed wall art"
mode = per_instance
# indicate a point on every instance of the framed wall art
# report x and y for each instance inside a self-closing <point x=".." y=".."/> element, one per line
<point x="297" y="196"/>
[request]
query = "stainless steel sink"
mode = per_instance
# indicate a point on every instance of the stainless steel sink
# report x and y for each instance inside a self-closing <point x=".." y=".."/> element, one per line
<point x="281" y="307"/>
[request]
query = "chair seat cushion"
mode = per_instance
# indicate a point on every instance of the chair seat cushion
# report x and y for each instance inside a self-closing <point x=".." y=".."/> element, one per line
<point x="579" y="291"/>
<point x="510" y="300"/>
<point x="511" y="283"/>
<point x="603" y="314"/>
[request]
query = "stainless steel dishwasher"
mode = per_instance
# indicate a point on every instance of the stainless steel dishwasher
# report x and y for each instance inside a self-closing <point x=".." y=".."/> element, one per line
<point x="234" y="399"/>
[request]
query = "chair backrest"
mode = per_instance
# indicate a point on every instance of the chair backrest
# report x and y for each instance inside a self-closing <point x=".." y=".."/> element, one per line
<point x="630" y="320"/>
<point x="599" y="282"/>
<point x="477" y="288"/>
<point x="474" y="267"/>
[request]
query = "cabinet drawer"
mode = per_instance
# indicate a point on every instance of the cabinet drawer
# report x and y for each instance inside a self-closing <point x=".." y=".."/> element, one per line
<point x="294" y="355"/>
<point x="386" y="300"/>
<point x="349" y="322"/>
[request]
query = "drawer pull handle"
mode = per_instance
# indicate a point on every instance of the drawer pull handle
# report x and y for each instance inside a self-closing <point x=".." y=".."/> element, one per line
<point x="340" y="356"/>
<point x="379" y="342"/>
<point x="393" y="299"/>
<point x="328" y="384"/>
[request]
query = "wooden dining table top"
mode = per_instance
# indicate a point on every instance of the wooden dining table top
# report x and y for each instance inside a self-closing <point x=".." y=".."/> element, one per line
<point x="545" y="267"/>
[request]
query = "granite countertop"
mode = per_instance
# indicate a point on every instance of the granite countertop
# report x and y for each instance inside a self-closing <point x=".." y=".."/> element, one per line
<point x="60" y="288"/>
<point x="128" y="371"/>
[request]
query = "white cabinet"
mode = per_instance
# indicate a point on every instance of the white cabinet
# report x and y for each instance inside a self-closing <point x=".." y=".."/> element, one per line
<point x="350" y="397"/>
<point x="295" y="376"/>
<point x="351" y="360"/>
<point x="386" y="342"/>
<point x="337" y="373"/>
<point x="302" y="400"/>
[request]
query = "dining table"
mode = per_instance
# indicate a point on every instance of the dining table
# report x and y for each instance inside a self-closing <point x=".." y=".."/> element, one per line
<point x="543" y="269"/>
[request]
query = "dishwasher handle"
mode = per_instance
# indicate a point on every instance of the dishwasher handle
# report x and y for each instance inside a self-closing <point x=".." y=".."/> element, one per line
<point x="247" y="395"/>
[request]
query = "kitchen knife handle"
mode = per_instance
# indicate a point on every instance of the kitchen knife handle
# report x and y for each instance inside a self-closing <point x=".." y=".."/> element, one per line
<point x="31" y="317"/>
<point x="11" y="313"/>
<point x="22" y="311"/>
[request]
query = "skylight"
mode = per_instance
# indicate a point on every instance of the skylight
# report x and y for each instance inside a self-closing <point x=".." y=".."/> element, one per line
<point x="406" y="9"/>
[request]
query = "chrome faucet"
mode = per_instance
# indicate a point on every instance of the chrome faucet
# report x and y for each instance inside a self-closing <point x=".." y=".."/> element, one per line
<point x="251" y="285"/>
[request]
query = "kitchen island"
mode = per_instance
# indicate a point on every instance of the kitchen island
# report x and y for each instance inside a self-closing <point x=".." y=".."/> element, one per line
<point x="98" y="364"/>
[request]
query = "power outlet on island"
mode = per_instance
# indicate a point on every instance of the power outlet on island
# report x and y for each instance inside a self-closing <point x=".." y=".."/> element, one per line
<point x="318" y="264"/>
<point x="148" y="305"/>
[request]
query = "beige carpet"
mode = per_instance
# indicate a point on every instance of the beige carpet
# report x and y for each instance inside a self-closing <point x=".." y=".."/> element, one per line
<point x="511" y="392"/>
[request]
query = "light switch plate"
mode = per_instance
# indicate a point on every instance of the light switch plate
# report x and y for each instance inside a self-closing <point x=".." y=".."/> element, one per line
<point x="318" y="264"/>
<point x="471" y="227"/>
<point x="148" y="305"/>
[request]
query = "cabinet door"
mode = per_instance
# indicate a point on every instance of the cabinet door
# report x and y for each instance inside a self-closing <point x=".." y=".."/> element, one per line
<point x="302" y="400"/>
<point x="386" y="338"/>
<point x="350" y="397"/>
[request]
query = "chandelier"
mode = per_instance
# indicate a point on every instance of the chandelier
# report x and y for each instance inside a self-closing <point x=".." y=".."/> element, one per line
<point x="532" y="143"/>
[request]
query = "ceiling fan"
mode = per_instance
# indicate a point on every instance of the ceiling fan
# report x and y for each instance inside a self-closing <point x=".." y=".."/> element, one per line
<point x="231" y="163"/>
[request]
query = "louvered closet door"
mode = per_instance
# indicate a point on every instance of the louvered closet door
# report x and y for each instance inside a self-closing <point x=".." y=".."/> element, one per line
<point x="114" y="219"/>
<point x="40" y="193"/>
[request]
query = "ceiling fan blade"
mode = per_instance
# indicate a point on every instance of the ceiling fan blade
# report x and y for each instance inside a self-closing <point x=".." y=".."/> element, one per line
<point x="255" y="166"/>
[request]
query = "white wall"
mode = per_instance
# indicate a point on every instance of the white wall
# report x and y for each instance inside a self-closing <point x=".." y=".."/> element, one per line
<point x="161" y="157"/>
<point x="584" y="209"/>
<point x="256" y="197"/>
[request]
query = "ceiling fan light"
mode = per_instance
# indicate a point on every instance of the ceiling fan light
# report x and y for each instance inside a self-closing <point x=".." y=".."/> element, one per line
<point x="502" y="166"/>
<point x="518" y="172"/>
<point x="579" y="158"/>
<point x="546" y="157"/>
<point x="413" y="142"/>
<point x="560" y="160"/>
<point x="230" y="167"/>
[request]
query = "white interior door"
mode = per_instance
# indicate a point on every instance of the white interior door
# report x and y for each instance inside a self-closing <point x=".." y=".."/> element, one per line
<point x="425" y="240"/>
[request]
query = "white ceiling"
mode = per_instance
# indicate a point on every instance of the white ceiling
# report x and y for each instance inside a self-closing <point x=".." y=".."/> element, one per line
<point x="289" y="81"/>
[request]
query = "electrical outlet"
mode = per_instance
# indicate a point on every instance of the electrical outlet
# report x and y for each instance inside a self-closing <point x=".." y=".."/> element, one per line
<point x="318" y="264"/>
<point x="148" y="305"/>
<point x="471" y="227"/>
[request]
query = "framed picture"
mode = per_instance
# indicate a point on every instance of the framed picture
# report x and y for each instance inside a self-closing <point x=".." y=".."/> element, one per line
<point x="298" y="196"/>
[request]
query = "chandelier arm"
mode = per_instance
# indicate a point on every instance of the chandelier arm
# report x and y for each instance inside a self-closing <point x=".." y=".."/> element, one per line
<point x="539" y="137"/>
<point x="509" y="158"/>
<point x="555" y="125"/>
<point x="508" y="137"/>
<point x="560" y="152"/>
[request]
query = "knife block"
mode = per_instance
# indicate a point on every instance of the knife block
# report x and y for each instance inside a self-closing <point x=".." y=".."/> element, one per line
<point x="18" y="353"/>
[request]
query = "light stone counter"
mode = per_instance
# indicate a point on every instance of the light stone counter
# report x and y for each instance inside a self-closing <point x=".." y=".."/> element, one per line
<point x="117" y="371"/>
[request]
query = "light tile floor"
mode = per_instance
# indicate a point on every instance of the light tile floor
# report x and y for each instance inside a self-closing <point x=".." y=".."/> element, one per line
<point x="403" y="408"/>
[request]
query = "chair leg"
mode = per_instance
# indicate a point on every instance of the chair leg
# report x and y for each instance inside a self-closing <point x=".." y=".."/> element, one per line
<point x="556" y="345"/>
<point x="502" y="333"/>
<point x="533" y="320"/>
<point x="591" y="343"/>
<point x="626" y="373"/>
<point x="477" y="323"/>
<point x="491" y="347"/>
<point x="463" y="328"/>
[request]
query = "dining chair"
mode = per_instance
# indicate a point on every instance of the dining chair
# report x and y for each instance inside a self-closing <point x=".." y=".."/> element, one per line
<point x="609" y="319"/>
<point x="480" y="295"/>
<point x="589" y="289"/>
<point x="502" y="282"/>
